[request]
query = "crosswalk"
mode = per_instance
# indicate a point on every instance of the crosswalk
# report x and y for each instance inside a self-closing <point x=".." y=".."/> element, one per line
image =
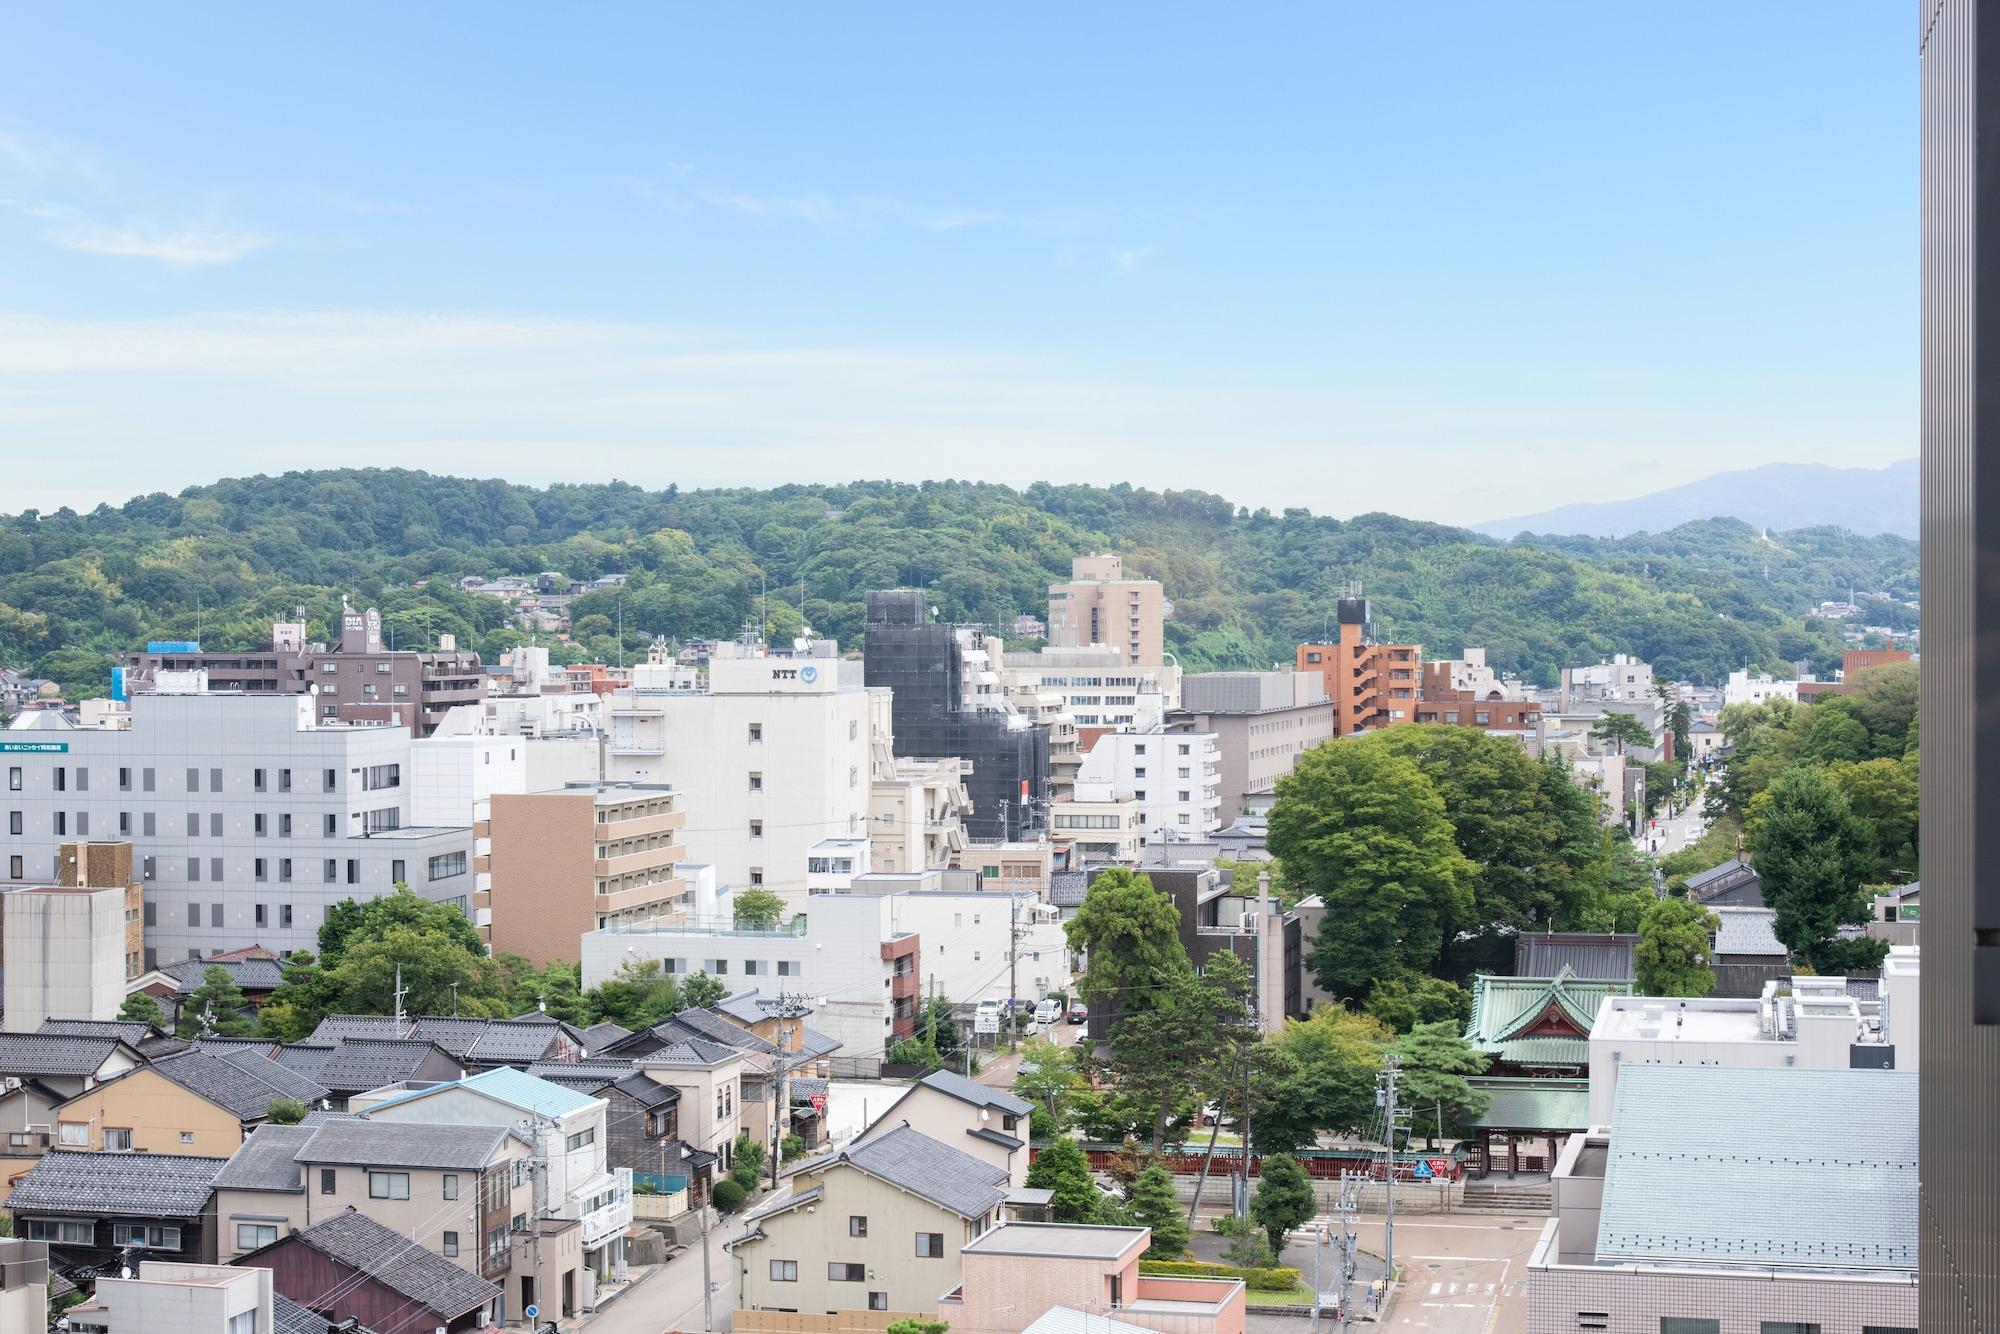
<point x="1452" y="1289"/>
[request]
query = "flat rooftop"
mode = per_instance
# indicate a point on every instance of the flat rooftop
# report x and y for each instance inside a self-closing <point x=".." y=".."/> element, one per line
<point x="1658" y="1019"/>
<point x="1068" y="1241"/>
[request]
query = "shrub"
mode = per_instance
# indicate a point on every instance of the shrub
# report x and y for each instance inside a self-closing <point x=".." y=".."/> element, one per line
<point x="1272" y="1278"/>
<point x="285" y="1111"/>
<point x="728" y="1196"/>
<point x="793" y="1148"/>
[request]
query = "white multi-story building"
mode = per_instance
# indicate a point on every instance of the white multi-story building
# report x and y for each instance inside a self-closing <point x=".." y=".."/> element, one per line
<point x="1621" y="679"/>
<point x="1094" y="685"/>
<point x="1743" y="688"/>
<point x="1097" y="823"/>
<point x="768" y="751"/>
<point x="1176" y="777"/>
<point x="570" y="1137"/>
<point x="248" y="817"/>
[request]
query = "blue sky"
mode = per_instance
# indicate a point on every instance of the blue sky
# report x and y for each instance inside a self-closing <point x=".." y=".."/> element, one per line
<point x="1453" y="260"/>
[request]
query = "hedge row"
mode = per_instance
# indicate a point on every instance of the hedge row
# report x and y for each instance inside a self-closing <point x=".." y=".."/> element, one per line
<point x="1278" y="1279"/>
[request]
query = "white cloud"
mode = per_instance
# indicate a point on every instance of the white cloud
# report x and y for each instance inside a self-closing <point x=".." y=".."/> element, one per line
<point x="181" y="246"/>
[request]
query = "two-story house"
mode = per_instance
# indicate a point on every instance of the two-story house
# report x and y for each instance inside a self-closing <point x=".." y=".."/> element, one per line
<point x="40" y="1070"/>
<point x="192" y="1102"/>
<point x="990" y="1124"/>
<point x="877" y="1226"/>
<point x="347" y="1266"/>
<point x="709" y="1078"/>
<point x="96" y="1207"/>
<point x="575" y="1183"/>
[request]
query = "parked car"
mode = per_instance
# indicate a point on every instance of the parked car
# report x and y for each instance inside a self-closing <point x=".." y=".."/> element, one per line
<point x="1079" y="1012"/>
<point x="1047" y="1013"/>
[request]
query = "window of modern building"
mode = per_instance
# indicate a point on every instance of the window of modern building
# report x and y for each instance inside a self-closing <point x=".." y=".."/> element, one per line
<point x="930" y="1245"/>
<point x="330" y="826"/>
<point x="61" y="779"/>
<point x="14" y="779"/>
<point x="327" y="1178"/>
<point x="756" y="829"/>
<point x="756" y="782"/>
<point x="450" y="1246"/>
<point x="784" y="1271"/>
<point x="250" y="1236"/>
<point x="839" y="1271"/>
<point x="1678" y="1324"/>
<point x="857" y="1225"/>
<point x="388" y="1185"/>
<point x="117" y="1139"/>
<point x="756" y="732"/>
<point x="446" y="865"/>
<point x="124" y="780"/>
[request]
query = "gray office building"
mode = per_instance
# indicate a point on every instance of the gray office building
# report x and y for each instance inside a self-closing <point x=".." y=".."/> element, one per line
<point x="248" y="817"/>
<point x="1958" y="1227"/>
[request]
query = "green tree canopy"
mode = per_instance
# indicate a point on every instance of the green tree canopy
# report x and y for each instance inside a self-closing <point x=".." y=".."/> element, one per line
<point x="1621" y="730"/>
<point x="1672" y="957"/>
<point x="1185" y="1039"/>
<point x="1050" y="1076"/>
<point x="758" y="909"/>
<point x="352" y="920"/>
<point x="1363" y="829"/>
<point x="1284" y="1199"/>
<point x="701" y="991"/>
<point x="1061" y="1168"/>
<point x="1437" y="1061"/>
<point x="1130" y="933"/>
<point x="139" y="1008"/>
<point x="1153" y="1204"/>
<point x="216" y="1008"/>
<point x="1317" y="1074"/>
<point x="639" y="995"/>
<point x="1811" y="854"/>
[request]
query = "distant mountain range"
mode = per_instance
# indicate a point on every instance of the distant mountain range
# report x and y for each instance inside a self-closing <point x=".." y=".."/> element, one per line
<point x="1778" y="496"/>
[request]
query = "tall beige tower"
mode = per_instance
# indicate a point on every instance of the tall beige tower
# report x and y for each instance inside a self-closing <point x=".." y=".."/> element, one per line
<point x="1099" y="605"/>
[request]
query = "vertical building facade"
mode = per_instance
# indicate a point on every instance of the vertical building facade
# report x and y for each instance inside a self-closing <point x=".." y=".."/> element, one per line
<point x="589" y="856"/>
<point x="1958" y="1218"/>
<point x="1099" y="605"/>
<point x="1371" y="685"/>
<point x="1262" y="722"/>
<point x="935" y="715"/>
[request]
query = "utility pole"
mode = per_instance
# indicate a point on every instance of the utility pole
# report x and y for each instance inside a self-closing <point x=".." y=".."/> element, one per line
<point x="1347" y="1205"/>
<point x="401" y="991"/>
<point x="1392" y="1115"/>
<point x="1013" y="962"/>
<point x="790" y="1006"/>
<point x="707" y="1282"/>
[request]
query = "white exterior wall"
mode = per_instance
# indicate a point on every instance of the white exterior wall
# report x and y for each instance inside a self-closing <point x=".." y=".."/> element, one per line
<point x="65" y="956"/>
<point x="236" y="735"/>
<point x="1744" y="688"/>
<point x="1151" y="763"/>
<point x="454" y="777"/>
<point x="837" y="957"/>
<point x="965" y="940"/>
<point x="184" y="1299"/>
<point x="812" y="758"/>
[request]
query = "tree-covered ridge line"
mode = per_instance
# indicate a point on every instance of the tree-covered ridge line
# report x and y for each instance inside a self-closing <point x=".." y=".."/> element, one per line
<point x="220" y="562"/>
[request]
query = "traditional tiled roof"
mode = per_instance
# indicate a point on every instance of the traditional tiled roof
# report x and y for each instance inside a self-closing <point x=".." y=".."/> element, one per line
<point x="1770" y="1168"/>
<point x="815" y="1043"/>
<point x="247" y="974"/>
<point x="646" y="1092"/>
<point x="358" y="1064"/>
<point x="599" y="1036"/>
<point x="305" y="1058"/>
<point x="414" y="1273"/>
<point x="1505" y="1008"/>
<point x="133" y="1033"/>
<point x="361" y="1143"/>
<point x="25" y="1054"/>
<point x="288" y="1082"/>
<point x="227" y="1084"/>
<point x="1586" y="954"/>
<point x="692" y="1051"/>
<point x="133" y="1185"/>
<point x="266" y="1160"/>
<point x="1748" y="931"/>
<point x="949" y="1178"/>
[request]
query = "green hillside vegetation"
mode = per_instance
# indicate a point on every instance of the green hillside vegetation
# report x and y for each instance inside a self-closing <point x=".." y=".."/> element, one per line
<point x="220" y="562"/>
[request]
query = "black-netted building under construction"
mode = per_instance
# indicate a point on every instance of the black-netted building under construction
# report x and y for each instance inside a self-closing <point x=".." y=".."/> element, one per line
<point x="919" y="660"/>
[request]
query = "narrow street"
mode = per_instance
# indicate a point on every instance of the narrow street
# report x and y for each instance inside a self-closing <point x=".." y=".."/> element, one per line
<point x="670" y="1298"/>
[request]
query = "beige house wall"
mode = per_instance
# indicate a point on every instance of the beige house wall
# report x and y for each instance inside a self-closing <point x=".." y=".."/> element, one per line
<point x="427" y="1215"/>
<point x="268" y="1208"/>
<point x="700" y="1126"/>
<point x="818" y="1238"/>
<point x="162" y="1116"/>
<point x="949" y="1121"/>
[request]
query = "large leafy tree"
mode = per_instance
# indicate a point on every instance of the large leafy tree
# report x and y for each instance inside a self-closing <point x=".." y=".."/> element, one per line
<point x="1811" y="853"/>
<point x="1130" y="933"/>
<point x="757" y="908"/>
<point x="1317" y="1074"/>
<point x="1366" y="831"/>
<point x="1187" y="1038"/>
<point x="1502" y="818"/>
<point x="640" y="994"/>
<point x="1884" y="793"/>
<point x="216" y="1008"/>
<point x="1050" y="1076"/>
<point x="1672" y="956"/>
<point x="1621" y="730"/>
<point x="353" y="920"/>
<point x="1437" y="1063"/>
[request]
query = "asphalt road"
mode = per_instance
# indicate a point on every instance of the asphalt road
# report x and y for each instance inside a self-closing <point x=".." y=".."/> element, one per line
<point x="670" y="1298"/>
<point x="1462" y="1273"/>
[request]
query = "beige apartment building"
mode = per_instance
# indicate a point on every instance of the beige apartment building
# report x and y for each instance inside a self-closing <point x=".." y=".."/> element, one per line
<point x="75" y="944"/>
<point x="1099" y="605"/>
<point x="876" y="1227"/>
<point x="576" y="859"/>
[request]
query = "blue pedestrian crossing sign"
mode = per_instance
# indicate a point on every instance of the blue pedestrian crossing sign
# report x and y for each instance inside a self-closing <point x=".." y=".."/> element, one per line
<point x="1422" y="1171"/>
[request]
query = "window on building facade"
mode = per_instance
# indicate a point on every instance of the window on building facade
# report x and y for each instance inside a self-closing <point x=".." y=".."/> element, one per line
<point x="930" y="1245"/>
<point x="388" y="1185"/>
<point x="250" y="1236"/>
<point x="784" y="1271"/>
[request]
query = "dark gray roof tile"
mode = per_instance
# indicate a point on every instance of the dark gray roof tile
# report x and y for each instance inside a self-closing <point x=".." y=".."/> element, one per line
<point x="266" y="1161"/>
<point x="947" y="1177"/>
<point x="361" y="1143"/>
<point x="133" y="1185"/>
<point x="25" y="1054"/>
<point x="392" y="1260"/>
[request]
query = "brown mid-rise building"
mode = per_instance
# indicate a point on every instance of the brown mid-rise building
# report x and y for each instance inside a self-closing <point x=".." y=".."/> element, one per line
<point x="585" y="856"/>
<point x="1371" y="685"/>
<point x="1853" y="662"/>
<point x="356" y="679"/>
<point x="1099" y="605"/>
<point x="1439" y="700"/>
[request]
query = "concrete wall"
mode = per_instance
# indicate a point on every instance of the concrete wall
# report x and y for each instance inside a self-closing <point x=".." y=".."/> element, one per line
<point x="184" y="1299"/>
<point x="65" y="955"/>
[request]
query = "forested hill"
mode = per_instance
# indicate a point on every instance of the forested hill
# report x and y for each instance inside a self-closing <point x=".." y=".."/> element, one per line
<point x="219" y="562"/>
